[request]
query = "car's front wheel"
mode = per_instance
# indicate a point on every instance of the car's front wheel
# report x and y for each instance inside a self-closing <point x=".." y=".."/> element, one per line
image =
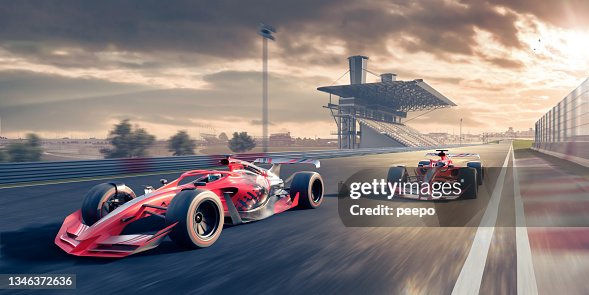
<point x="103" y="199"/>
<point x="309" y="186"/>
<point x="198" y="215"/>
<point x="397" y="174"/>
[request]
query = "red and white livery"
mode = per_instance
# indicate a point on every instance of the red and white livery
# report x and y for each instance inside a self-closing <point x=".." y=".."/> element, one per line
<point x="443" y="169"/>
<point x="191" y="210"/>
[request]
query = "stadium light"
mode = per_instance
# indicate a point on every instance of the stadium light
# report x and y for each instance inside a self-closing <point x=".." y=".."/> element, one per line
<point x="266" y="32"/>
<point x="460" y="131"/>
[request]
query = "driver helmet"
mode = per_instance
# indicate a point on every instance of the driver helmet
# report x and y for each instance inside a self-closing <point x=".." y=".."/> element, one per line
<point x="440" y="164"/>
<point x="214" y="176"/>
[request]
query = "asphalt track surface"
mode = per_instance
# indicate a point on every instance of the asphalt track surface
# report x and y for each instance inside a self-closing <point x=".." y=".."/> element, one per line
<point x="311" y="251"/>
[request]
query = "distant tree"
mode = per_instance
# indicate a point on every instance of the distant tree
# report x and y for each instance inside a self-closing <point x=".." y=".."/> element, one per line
<point x="241" y="142"/>
<point x="143" y="140"/>
<point x="28" y="151"/>
<point x="128" y="142"/>
<point x="223" y="137"/>
<point x="181" y="144"/>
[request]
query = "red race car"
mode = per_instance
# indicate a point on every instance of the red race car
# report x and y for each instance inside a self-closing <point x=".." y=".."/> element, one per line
<point x="191" y="210"/>
<point x="439" y="171"/>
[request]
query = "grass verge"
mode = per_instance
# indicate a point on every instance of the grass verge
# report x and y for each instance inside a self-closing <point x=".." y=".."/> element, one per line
<point x="522" y="144"/>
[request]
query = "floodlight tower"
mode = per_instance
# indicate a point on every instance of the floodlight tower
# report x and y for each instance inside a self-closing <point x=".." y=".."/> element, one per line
<point x="266" y="33"/>
<point x="460" y="131"/>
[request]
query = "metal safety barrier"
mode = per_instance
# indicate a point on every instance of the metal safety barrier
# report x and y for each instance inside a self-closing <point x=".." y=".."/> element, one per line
<point x="11" y="173"/>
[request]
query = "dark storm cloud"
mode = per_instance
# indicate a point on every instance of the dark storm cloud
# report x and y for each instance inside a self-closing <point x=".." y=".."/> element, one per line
<point x="227" y="29"/>
<point x="503" y="62"/>
<point x="450" y="28"/>
<point x="221" y="28"/>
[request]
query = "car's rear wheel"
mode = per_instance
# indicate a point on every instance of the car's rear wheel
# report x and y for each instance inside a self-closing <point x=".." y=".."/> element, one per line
<point x="309" y="186"/>
<point x="103" y="199"/>
<point x="199" y="217"/>
<point x="480" y="172"/>
<point x="467" y="177"/>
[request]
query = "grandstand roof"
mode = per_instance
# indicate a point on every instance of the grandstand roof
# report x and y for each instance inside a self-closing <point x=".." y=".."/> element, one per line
<point x="403" y="96"/>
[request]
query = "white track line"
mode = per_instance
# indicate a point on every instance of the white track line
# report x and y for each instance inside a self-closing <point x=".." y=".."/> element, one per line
<point x="471" y="275"/>
<point x="526" y="278"/>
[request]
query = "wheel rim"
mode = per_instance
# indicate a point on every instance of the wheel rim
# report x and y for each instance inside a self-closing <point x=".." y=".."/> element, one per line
<point x="206" y="220"/>
<point x="113" y="202"/>
<point x="316" y="191"/>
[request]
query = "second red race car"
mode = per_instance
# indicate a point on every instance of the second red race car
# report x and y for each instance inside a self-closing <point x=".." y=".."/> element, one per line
<point x="191" y="210"/>
<point x="444" y="169"/>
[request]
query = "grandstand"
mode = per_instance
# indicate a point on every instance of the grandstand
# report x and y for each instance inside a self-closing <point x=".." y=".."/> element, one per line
<point x="373" y="114"/>
<point x="401" y="133"/>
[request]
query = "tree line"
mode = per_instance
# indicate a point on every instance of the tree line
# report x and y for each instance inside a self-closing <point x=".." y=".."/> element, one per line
<point x="127" y="141"/>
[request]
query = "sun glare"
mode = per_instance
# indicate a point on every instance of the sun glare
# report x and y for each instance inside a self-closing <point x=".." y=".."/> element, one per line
<point x="570" y="48"/>
<point x="576" y="45"/>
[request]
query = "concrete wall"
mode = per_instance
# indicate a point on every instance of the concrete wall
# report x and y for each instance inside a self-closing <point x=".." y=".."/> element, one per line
<point x="564" y="130"/>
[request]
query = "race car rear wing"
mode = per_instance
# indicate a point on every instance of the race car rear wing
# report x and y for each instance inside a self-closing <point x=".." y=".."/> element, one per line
<point x="276" y="162"/>
<point x="462" y="155"/>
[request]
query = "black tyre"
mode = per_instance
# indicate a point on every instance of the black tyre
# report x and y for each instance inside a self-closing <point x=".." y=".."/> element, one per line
<point x="480" y="172"/>
<point x="309" y="186"/>
<point x="103" y="199"/>
<point x="199" y="217"/>
<point x="396" y="174"/>
<point x="468" y="179"/>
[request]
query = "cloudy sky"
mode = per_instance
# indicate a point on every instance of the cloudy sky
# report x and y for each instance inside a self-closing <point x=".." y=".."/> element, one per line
<point x="74" y="68"/>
